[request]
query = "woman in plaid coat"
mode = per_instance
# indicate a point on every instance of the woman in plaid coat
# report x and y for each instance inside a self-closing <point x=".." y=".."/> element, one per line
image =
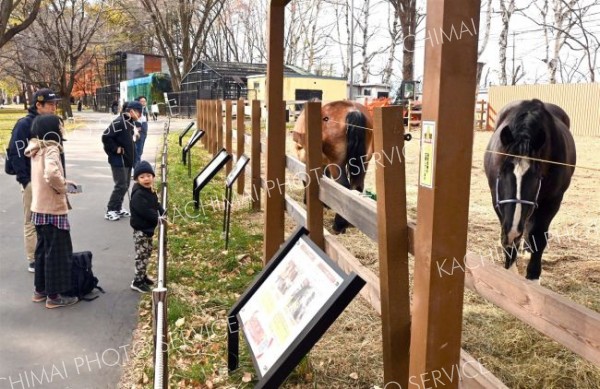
<point x="49" y="207"/>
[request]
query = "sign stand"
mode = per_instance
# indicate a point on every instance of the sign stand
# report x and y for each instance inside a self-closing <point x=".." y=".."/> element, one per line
<point x="209" y="171"/>
<point x="288" y="307"/>
<point x="231" y="178"/>
<point x="185" y="131"/>
<point x="186" y="155"/>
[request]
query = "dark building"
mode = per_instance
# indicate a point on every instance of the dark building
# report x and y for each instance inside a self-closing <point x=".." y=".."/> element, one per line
<point x="211" y="80"/>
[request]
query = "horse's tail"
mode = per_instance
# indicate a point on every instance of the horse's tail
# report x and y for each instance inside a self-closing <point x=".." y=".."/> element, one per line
<point x="356" y="123"/>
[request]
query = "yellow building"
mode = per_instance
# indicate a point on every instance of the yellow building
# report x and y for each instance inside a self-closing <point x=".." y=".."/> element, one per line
<point x="301" y="86"/>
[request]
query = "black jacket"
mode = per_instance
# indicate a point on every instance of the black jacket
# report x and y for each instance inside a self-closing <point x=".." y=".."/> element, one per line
<point x="119" y="134"/>
<point x="19" y="140"/>
<point x="145" y="209"/>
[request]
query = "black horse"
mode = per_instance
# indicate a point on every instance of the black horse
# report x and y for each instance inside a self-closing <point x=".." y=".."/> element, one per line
<point x="526" y="192"/>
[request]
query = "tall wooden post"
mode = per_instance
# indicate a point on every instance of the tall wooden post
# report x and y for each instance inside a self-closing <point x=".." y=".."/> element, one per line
<point x="219" y="119"/>
<point x="215" y="136"/>
<point x="275" y="199"/>
<point x="256" y="157"/>
<point x="241" y="142"/>
<point x="314" y="172"/>
<point x="444" y="183"/>
<point x="228" y="135"/>
<point x="392" y="232"/>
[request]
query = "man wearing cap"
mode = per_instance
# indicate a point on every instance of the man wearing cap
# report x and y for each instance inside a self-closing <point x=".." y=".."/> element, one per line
<point x="44" y="102"/>
<point x="120" y="148"/>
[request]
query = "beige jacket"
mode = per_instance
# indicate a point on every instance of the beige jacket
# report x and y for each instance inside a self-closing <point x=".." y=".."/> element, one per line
<point x="48" y="183"/>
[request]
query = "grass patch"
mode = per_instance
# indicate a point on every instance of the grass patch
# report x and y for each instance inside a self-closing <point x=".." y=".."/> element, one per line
<point x="8" y="119"/>
<point x="203" y="280"/>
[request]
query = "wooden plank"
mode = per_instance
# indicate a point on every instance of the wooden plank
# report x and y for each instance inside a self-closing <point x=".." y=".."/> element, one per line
<point x="572" y="325"/>
<point x="314" y="171"/>
<point x="359" y="210"/>
<point x="202" y="123"/>
<point x="473" y="374"/>
<point x="228" y="133"/>
<point x="241" y="135"/>
<point x="255" y="161"/>
<point x="216" y="115"/>
<point x="388" y="131"/>
<point x="443" y="197"/>
<point x="276" y="134"/>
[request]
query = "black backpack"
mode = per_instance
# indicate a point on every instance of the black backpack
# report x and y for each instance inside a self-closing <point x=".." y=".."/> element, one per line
<point x="83" y="280"/>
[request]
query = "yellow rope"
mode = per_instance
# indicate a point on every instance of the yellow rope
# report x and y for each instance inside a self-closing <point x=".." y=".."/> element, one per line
<point x="544" y="160"/>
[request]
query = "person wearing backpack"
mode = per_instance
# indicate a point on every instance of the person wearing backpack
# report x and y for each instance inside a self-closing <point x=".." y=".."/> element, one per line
<point x="44" y="102"/>
<point x="118" y="141"/>
<point x="146" y="211"/>
<point x="49" y="213"/>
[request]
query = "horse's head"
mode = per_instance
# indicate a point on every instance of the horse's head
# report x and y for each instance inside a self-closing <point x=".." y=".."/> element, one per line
<point x="519" y="179"/>
<point x="517" y="190"/>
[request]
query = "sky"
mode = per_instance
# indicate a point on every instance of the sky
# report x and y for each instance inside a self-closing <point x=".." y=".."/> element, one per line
<point x="528" y="49"/>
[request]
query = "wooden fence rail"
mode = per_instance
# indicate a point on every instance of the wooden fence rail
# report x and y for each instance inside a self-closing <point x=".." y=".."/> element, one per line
<point x="572" y="325"/>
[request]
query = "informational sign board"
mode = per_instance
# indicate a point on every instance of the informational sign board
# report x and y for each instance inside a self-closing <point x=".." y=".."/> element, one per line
<point x="427" y="165"/>
<point x="209" y="171"/>
<point x="184" y="132"/>
<point x="289" y="306"/>
<point x="238" y="168"/>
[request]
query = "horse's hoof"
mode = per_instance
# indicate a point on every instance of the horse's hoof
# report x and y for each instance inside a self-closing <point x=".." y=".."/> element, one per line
<point x="535" y="282"/>
<point x="338" y="231"/>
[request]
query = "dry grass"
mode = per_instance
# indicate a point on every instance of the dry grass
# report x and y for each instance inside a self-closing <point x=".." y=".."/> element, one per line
<point x="515" y="353"/>
<point x="350" y="356"/>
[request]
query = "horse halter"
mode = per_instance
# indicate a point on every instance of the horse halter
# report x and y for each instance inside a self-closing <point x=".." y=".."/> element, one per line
<point x="534" y="203"/>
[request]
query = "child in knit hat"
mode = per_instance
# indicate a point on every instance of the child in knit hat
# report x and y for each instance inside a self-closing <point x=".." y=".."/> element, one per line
<point x="145" y="214"/>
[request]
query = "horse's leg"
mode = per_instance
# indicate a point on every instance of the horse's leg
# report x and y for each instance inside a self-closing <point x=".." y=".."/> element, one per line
<point x="510" y="254"/>
<point x="537" y="238"/>
<point x="339" y="175"/>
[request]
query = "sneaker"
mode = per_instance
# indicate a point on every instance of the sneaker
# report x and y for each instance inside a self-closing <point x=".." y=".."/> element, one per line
<point x="148" y="281"/>
<point x="123" y="213"/>
<point x="112" y="216"/>
<point x="60" y="301"/>
<point x="140" y="287"/>
<point x="38" y="297"/>
<point x="31" y="267"/>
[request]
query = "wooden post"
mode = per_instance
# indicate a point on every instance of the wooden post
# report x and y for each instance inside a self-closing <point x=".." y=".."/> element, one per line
<point x="219" y="119"/>
<point x="213" y="116"/>
<point x="481" y="114"/>
<point x="314" y="172"/>
<point x="443" y="198"/>
<point x="198" y="113"/>
<point x="241" y="142"/>
<point x="255" y="161"/>
<point x="228" y="135"/>
<point x="275" y="200"/>
<point x="206" y="137"/>
<point x="392" y="239"/>
<point x="203" y="125"/>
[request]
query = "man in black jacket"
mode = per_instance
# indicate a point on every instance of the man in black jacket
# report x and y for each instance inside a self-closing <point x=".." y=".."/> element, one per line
<point x="44" y="102"/>
<point x="119" y="146"/>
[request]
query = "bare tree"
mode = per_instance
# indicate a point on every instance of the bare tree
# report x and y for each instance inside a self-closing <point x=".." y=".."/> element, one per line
<point x="60" y="39"/>
<point x="406" y="11"/>
<point x="484" y="41"/>
<point x="19" y="13"/>
<point x="507" y="8"/>
<point x="181" y="28"/>
<point x="557" y="20"/>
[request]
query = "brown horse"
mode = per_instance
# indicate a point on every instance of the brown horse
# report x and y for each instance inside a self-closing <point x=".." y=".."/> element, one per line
<point x="347" y="145"/>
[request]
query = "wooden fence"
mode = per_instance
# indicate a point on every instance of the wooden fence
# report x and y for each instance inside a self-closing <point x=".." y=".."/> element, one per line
<point x="572" y="325"/>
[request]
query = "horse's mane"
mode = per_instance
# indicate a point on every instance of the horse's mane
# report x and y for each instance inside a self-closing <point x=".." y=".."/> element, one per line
<point x="525" y="133"/>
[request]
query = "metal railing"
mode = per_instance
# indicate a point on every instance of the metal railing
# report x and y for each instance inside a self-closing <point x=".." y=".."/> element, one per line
<point x="159" y="294"/>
